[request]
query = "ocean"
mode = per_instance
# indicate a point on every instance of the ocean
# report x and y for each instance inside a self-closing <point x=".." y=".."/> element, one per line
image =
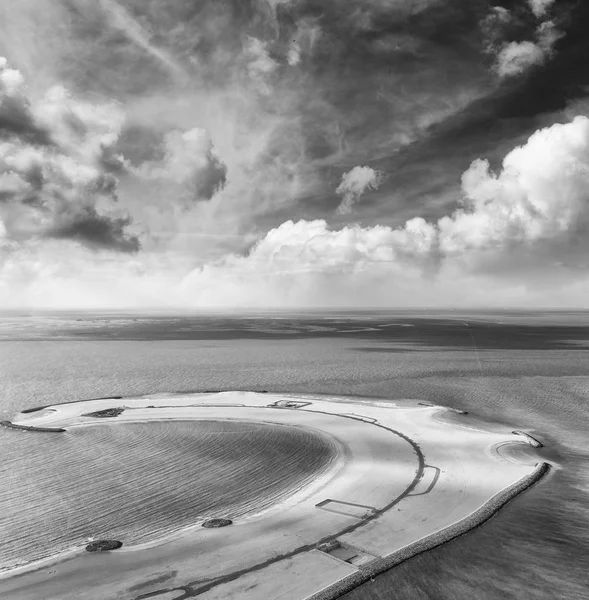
<point x="528" y="370"/>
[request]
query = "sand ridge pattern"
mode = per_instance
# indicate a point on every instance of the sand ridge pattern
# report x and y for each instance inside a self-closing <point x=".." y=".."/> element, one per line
<point x="141" y="481"/>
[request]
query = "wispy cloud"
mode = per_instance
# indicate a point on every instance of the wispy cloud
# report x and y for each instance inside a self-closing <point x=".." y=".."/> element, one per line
<point x="354" y="183"/>
<point x="122" y="20"/>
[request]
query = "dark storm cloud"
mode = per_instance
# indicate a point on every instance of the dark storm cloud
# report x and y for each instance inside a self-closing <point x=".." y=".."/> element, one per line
<point x="16" y="120"/>
<point x="96" y="231"/>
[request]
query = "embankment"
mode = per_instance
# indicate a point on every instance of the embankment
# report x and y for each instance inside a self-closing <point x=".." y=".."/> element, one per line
<point x="530" y="439"/>
<point x="474" y="520"/>
<point x="11" y="425"/>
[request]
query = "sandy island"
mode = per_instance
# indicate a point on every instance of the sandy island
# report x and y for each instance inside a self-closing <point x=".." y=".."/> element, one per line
<point x="408" y="476"/>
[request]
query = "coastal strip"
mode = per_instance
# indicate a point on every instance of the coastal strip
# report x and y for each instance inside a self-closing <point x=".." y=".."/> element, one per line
<point x="11" y="425"/>
<point x="471" y="522"/>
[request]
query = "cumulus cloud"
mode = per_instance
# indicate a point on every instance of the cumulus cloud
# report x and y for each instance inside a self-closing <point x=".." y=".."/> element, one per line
<point x="531" y="216"/>
<point x="354" y="183"/>
<point x="539" y="197"/>
<point x="58" y="184"/>
<point x="536" y="206"/>
<point x="531" y="219"/>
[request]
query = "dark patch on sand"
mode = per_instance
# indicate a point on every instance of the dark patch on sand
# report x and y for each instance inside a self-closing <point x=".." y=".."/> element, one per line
<point x="107" y="412"/>
<point x="159" y="579"/>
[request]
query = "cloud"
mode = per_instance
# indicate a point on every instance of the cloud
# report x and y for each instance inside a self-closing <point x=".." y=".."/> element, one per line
<point x="96" y="231"/>
<point x="540" y="7"/>
<point x="530" y="218"/>
<point x="11" y="80"/>
<point x="122" y="20"/>
<point x="259" y="64"/>
<point x="182" y="135"/>
<point x="293" y="56"/>
<point x="189" y="163"/>
<point x="55" y="273"/>
<point x="15" y="111"/>
<point x="354" y="183"/>
<point x="534" y="212"/>
<point x="519" y="231"/>
<point x="515" y="58"/>
<point x="538" y="199"/>
<point x="58" y="184"/>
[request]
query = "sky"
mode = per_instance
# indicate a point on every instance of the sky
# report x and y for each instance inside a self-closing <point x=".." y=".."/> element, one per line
<point x="182" y="154"/>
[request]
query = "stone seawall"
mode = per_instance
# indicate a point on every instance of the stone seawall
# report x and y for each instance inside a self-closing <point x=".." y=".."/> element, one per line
<point x="529" y="438"/>
<point x="10" y="425"/>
